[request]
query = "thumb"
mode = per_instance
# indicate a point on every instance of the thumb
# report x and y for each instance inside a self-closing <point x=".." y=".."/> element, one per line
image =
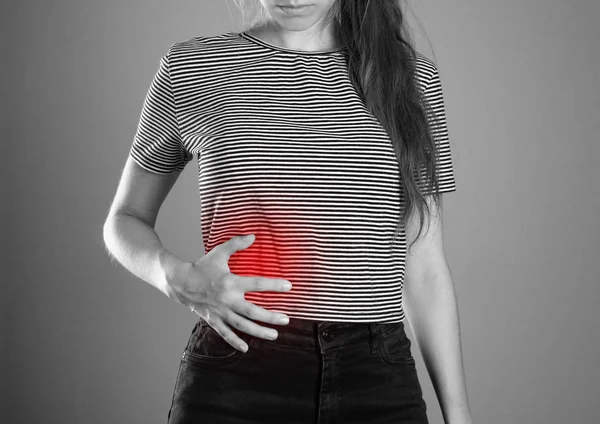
<point x="239" y="243"/>
<point x="247" y="239"/>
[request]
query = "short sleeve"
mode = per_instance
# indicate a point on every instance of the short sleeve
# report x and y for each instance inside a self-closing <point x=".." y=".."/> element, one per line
<point x="437" y="121"/>
<point x="157" y="145"/>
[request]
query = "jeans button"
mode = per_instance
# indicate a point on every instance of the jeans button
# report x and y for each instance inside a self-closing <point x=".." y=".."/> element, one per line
<point x="327" y="335"/>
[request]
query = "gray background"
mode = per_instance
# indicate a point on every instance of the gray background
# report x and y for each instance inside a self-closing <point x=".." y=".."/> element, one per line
<point x="86" y="342"/>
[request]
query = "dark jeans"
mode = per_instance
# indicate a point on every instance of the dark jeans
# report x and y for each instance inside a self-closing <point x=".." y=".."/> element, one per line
<point x="315" y="372"/>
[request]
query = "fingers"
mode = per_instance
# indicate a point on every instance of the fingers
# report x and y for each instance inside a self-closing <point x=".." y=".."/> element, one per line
<point x="264" y="284"/>
<point x="239" y="321"/>
<point x="245" y="325"/>
<point x="227" y="334"/>
<point x="249" y="311"/>
<point x="236" y="243"/>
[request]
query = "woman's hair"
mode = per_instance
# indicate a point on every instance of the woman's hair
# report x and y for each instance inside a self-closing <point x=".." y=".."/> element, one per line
<point x="382" y="68"/>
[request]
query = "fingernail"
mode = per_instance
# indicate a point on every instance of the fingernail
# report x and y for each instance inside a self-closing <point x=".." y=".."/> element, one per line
<point x="284" y="320"/>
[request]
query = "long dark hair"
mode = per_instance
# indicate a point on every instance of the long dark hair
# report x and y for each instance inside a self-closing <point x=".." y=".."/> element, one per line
<point x="382" y="68"/>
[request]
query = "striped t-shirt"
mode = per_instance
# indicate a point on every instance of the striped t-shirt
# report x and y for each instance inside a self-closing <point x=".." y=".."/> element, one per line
<point x="287" y="151"/>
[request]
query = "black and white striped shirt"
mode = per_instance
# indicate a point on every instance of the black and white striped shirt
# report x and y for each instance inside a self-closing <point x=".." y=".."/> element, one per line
<point x="288" y="151"/>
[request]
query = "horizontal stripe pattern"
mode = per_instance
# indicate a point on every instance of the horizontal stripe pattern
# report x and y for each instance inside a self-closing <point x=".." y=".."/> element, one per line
<point x="287" y="150"/>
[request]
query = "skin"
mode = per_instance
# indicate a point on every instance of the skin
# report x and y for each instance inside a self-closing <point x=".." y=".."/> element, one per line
<point x="307" y="31"/>
<point x="429" y="295"/>
<point x="430" y="305"/>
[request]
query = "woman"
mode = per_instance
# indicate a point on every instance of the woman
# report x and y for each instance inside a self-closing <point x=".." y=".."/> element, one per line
<point x="322" y="151"/>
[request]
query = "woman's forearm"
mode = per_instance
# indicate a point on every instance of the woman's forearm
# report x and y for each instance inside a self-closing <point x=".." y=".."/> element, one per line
<point x="431" y="309"/>
<point x="136" y="246"/>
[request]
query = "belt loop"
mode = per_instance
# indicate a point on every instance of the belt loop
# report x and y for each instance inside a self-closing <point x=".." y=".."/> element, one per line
<point x="372" y="334"/>
<point x="316" y="328"/>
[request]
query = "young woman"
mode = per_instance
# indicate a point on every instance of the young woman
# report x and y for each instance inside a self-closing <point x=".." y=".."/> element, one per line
<point x="322" y="153"/>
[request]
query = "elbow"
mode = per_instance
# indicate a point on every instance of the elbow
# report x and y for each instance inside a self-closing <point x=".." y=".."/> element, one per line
<point x="431" y="283"/>
<point x="107" y="233"/>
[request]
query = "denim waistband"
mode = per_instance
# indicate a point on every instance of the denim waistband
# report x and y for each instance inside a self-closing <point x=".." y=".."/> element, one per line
<point x="308" y="334"/>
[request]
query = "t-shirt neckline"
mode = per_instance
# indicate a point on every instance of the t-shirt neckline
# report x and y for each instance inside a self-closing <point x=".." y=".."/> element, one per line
<point x="274" y="47"/>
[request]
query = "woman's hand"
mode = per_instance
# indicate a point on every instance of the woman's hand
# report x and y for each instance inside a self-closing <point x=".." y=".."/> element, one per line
<point x="211" y="291"/>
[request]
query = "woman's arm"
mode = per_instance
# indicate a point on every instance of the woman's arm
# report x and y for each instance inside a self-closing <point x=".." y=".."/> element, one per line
<point x="128" y="231"/>
<point x="431" y="309"/>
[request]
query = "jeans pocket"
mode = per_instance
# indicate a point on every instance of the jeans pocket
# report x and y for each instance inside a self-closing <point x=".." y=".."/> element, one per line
<point x="207" y="348"/>
<point x="394" y="346"/>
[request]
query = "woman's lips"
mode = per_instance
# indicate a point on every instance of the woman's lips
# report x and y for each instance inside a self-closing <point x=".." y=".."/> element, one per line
<point x="294" y="10"/>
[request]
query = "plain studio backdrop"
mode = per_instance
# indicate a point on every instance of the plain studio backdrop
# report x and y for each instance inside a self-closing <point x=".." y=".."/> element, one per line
<point x="84" y="341"/>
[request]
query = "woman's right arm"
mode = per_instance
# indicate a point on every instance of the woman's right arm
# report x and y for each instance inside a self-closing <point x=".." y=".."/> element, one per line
<point x="128" y="231"/>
